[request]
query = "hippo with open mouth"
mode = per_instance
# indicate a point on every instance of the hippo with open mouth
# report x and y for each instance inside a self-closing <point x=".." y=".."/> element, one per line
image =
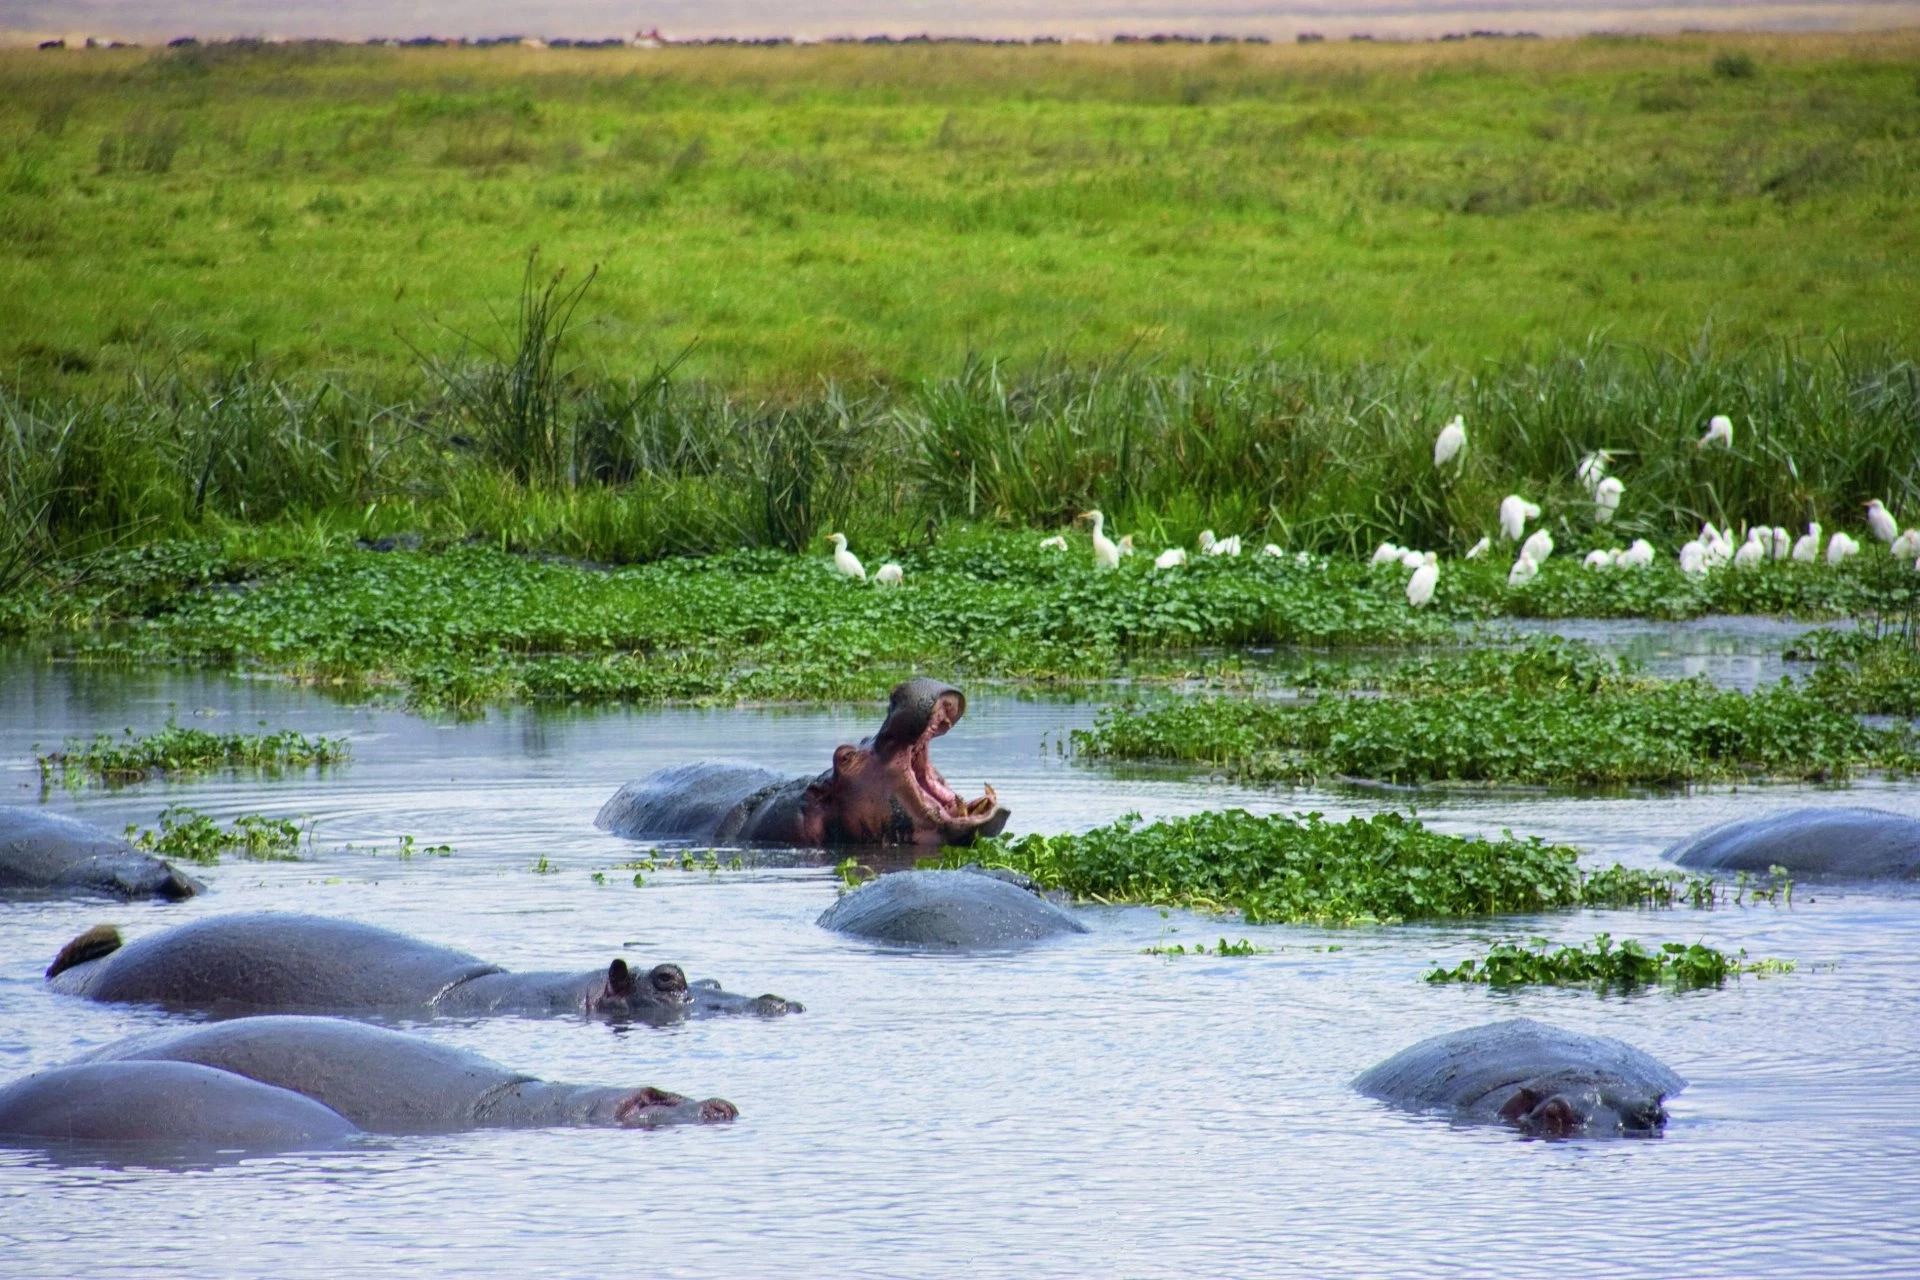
<point x="883" y="792"/>
<point x="1539" y="1079"/>
<point x="275" y="962"/>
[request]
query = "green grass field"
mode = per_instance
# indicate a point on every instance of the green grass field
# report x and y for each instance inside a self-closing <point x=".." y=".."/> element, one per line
<point x="848" y="212"/>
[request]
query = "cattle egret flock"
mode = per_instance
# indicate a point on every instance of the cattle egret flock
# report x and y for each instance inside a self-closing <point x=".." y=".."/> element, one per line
<point x="1712" y="549"/>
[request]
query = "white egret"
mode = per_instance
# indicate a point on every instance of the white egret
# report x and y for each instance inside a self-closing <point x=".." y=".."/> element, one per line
<point x="1599" y="559"/>
<point x="1754" y="550"/>
<point x="1515" y="511"/>
<point x="844" y="560"/>
<point x="1206" y="540"/>
<point x="1637" y="556"/>
<point x="1304" y="560"/>
<point x="1881" y="521"/>
<point x="1693" y="557"/>
<point x="1055" y="543"/>
<point x="1411" y="559"/>
<point x="1387" y="551"/>
<point x="1907" y="545"/>
<point x="1170" y="558"/>
<point x="1126" y="544"/>
<point x="1522" y="572"/>
<point x="1479" y="548"/>
<point x="888" y="575"/>
<point x="1272" y="549"/>
<point x="1782" y="542"/>
<point x="1592" y="469"/>
<point x="1719" y="431"/>
<point x="1451" y="440"/>
<point x="1839" y="547"/>
<point x="1106" y="552"/>
<point x="1606" y="499"/>
<point x="1229" y="546"/>
<point x="1806" y="549"/>
<point x="1425" y="578"/>
<point x="1538" y="547"/>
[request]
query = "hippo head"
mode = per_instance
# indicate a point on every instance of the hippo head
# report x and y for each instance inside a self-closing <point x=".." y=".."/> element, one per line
<point x="650" y="1108"/>
<point x="886" y="790"/>
<point x="624" y="994"/>
<point x="1584" y="1105"/>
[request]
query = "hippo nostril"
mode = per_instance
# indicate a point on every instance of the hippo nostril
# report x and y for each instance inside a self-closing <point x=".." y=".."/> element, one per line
<point x="668" y="980"/>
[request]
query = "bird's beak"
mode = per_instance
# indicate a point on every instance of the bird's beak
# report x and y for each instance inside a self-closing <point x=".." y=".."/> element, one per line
<point x="1084" y="515"/>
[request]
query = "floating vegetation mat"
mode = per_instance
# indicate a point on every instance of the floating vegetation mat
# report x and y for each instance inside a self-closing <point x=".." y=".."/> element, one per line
<point x="188" y="835"/>
<point x="1604" y="963"/>
<point x="1547" y="714"/>
<point x="1305" y="869"/>
<point x="176" y="750"/>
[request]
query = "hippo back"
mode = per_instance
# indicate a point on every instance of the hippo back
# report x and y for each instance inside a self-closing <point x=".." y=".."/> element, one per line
<point x="164" y="1103"/>
<point x="710" y="800"/>
<point x="1843" y="843"/>
<point x="278" y="962"/>
<point x="43" y="852"/>
<point x="382" y="1081"/>
<point x="954" y="909"/>
<point x="1463" y="1069"/>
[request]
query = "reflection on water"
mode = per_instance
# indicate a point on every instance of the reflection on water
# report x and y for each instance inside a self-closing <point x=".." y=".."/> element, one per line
<point x="1077" y="1109"/>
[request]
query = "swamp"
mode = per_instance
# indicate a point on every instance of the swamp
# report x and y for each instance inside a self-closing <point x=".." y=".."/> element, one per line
<point x="1358" y="508"/>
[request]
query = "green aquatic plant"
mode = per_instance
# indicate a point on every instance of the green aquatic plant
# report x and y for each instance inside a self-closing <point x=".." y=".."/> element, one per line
<point x="191" y="836"/>
<point x="1604" y="963"/>
<point x="1304" y="868"/>
<point x="175" y="750"/>
<point x="1225" y="948"/>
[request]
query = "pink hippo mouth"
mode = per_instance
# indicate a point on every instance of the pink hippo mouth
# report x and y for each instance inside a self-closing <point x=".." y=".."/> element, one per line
<point x="938" y="802"/>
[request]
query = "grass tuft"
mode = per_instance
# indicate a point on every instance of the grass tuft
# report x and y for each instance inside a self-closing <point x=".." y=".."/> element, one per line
<point x="175" y="751"/>
<point x="1624" y="966"/>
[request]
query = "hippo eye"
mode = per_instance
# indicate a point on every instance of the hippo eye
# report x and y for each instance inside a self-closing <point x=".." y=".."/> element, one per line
<point x="667" y="980"/>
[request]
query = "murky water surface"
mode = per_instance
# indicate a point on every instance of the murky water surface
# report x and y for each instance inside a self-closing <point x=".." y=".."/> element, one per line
<point x="1074" y="1110"/>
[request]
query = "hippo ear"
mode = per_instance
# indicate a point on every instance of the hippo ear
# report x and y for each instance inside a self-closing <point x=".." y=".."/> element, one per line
<point x="843" y="757"/>
<point x="1514" y="1109"/>
<point x="620" y="979"/>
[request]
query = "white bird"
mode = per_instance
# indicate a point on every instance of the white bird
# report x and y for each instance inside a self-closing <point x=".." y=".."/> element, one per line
<point x="1386" y="551"/>
<point x="1229" y="546"/>
<point x="1606" y="499"/>
<point x="1304" y="560"/>
<point x="1272" y="549"/>
<point x="1106" y="552"/>
<point x="1515" y="511"/>
<point x="1413" y="559"/>
<point x="1637" y="556"/>
<point x="1881" y="521"/>
<point x="888" y="575"/>
<point x="1425" y="578"/>
<point x="1806" y="549"/>
<point x="1592" y="469"/>
<point x="1479" y="548"/>
<point x="1451" y="440"/>
<point x="1170" y="558"/>
<point x="1206" y="539"/>
<point x="1907" y="545"/>
<point x="1538" y="547"/>
<point x="1839" y="547"/>
<point x="1782" y="542"/>
<point x="1718" y="546"/>
<point x="1126" y="545"/>
<point x="1693" y="557"/>
<point x="1719" y="431"/>
<point x="1599" y="559"/>
<point x="844" y="560"/>
<point x="1522" y="572"/>
<point x="1754" y="550"/>
<point x="1055" y="543"/>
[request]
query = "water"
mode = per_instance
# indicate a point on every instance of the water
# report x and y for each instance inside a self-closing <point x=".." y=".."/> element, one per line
<point x="158" y="20"/>
<point x="1076" y="1109"/>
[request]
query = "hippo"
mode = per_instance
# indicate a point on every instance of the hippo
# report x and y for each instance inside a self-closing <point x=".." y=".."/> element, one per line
<point x="1854" y="844"/>
<point x="44" y="854"/>
<point x="175" y="1105"/>
<point x="883" y="792"/>
<point x="388" y="1082"/>
<point x="275" y="962"/>
<point x="951" y="909"/>
<point x="1541" y="1080"/>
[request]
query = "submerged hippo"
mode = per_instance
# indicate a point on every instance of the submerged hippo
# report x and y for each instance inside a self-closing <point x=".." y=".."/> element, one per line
<point x="1541" y="1080"/>
<point x="955" y="909"/>
<point x="285" y="963"/>
<point x="884" y="791"/>
<point x="1859" y="844"/>
<point x="386" y="1082"/>
<point x="166" y="1104"/>
<point x="44" y="854"/>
